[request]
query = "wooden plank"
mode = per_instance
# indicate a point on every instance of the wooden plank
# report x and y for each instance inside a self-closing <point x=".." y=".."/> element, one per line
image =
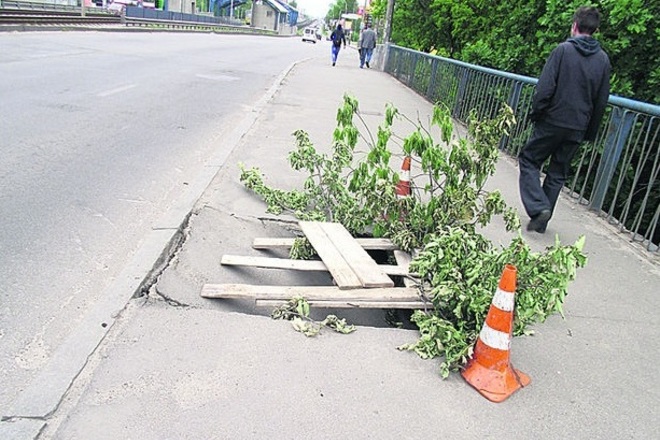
<point x="350" y="304"/>
<point x="341" y="271"/>
<point x="270" y="243"/>
<point x="358" y="259"/>
<point x="325" y="293"/>
<point x="393" y="270"/>
<point x="403" y="259"/>
<point x="384" y="244"/>
<point x="303" y="265"/>
<point x="274" y="263"/>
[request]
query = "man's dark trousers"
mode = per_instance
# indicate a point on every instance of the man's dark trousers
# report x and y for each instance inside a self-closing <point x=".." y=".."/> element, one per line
<point x="547" y="141"/>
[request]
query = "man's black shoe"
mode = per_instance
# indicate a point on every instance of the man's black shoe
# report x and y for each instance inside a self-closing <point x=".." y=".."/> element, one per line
<point x="539" y="222"/>
<point x="368" y="65"/>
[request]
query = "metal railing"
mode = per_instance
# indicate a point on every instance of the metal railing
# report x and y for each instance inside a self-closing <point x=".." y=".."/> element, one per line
<point x="50" y="5"/>
<point x="23" y="15"/>
<point x="618" y="176"/>
<point x="135" y="12"/>
<point x="153" y="18"/>
<point x="20" y="16"/>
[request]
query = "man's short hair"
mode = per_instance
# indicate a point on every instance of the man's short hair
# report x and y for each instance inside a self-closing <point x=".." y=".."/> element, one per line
<point x="587" y="19"/>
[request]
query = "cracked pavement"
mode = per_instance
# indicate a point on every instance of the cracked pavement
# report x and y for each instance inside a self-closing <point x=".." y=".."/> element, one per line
<point x="180" y="366"/>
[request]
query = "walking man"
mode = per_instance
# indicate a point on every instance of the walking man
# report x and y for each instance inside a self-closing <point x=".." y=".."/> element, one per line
<point x="366" y="45"/>
<point x="567" y="108"/>
<point x="337" y="37"/>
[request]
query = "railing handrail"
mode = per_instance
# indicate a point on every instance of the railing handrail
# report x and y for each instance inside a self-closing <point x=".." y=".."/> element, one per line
<point x="639" y="106"/>
<point x="525" y="79"/>
<point x="38" y="5"/>
<point x="179" y="22"/>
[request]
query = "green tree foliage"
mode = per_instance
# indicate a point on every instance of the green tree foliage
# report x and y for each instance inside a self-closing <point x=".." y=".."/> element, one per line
<point x="517" y="35"/>
<point x="341" y="7"/>
<point x="378" y="8"/>
<point x="439" y="221"/>
<point x="632" y="38"/>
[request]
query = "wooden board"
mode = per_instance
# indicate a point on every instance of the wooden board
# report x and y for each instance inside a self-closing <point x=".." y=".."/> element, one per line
<point x="350" y="265"/>
<point x="273" y="263"/>
<point x="403" y="259"/>
<point x="303" y="265"/>
<point x="350" y="304"/>
<point x="341" y="271"/>
<point x="317" y="293"/>
<point x="384" y="244"/>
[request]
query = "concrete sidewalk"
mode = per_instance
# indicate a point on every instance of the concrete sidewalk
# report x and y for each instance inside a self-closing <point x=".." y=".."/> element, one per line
<point x="178" y="366"/>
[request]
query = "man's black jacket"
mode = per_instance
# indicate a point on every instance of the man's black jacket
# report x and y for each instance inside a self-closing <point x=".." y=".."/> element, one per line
<point x="574" y="86"/>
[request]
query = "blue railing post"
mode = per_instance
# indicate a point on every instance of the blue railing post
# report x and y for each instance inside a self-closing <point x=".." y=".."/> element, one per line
<point x="514" y="96"/>
<point x="513" y="101"/>
<point x="617" y="133"/>
<point x="413" y="69"/>
<point x="460" y="94"/>
<point x="431" y="86"/>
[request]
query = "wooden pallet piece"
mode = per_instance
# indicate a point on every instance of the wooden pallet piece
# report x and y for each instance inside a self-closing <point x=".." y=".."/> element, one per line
<point x="302" y="265"/>
<point x="320" y="296"/>
<point x="350" y="265"/>
<point x="274" y="263"/>
<point x="316" y="293"/>
<point x="403" y="260"/>
<point x="383" y="244"/>
<point x="341" y="271"/>
<point x="373" y="304"/>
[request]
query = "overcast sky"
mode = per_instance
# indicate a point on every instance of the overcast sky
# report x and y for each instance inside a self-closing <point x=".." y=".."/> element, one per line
<point x="314" y="8"/>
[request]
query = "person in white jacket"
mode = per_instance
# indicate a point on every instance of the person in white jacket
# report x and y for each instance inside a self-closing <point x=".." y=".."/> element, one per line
<point x="366" y="45"/>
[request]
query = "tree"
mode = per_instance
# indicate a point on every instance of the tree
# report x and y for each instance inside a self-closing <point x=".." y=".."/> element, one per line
<point x="517" y="35"/>
<point x="341" y="7"/>
<point x="424" y="34"/>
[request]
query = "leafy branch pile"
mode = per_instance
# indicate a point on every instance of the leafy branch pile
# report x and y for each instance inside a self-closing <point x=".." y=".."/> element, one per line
<point x="438" y="222"/>
<point x="296" y="310"/>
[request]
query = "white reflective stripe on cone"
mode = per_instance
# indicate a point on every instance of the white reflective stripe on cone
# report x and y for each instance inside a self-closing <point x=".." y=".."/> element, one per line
<point x="495" y="338"/>
<point x="503" y="300"/>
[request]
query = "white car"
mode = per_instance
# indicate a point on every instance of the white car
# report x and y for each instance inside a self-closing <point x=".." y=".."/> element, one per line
<point x="309" y="34"/>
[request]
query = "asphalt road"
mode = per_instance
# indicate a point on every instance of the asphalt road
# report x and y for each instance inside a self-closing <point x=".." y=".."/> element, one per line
<point x="99" y="134"/>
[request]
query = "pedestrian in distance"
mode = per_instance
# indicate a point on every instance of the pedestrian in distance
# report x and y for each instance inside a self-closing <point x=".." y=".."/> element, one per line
<point x="567" y="108"/>
<point x="366" y="45"/>
<point x="337" y="38"/>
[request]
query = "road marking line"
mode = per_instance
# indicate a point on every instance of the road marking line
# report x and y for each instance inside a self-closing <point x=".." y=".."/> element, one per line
<point x="117" y="90"/>
<point x="217" y="77"/>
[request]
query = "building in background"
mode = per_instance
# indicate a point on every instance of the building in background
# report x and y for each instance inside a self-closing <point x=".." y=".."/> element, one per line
<point x="274" y="15"/>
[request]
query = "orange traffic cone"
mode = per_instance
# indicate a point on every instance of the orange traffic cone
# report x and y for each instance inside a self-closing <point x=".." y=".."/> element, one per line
<point x="403" y="187"/>
<point x="489" y="371"/>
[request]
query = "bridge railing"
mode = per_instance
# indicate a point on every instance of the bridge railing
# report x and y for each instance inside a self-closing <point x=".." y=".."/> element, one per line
<point x="617" y="176"/>
<point x="50" y="5"/>
<point x="156" y="14"/>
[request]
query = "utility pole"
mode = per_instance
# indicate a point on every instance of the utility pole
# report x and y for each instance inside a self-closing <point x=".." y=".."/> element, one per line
<point x="231" y="10"/>
<point x="388" y="21"/>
